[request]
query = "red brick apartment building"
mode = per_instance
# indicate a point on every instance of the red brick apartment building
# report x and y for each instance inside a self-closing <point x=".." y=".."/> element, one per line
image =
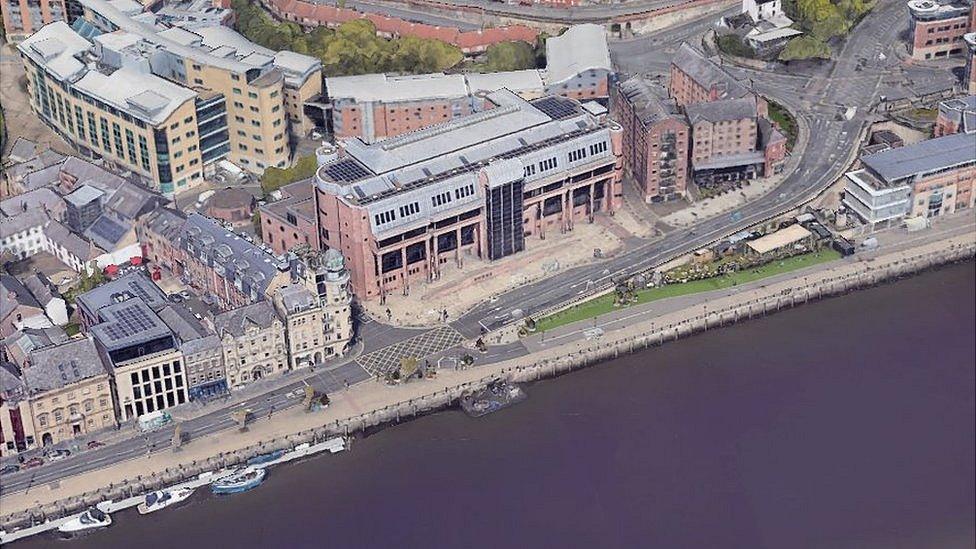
<point x="655" y="138"/>
<point x="479" y="186"/>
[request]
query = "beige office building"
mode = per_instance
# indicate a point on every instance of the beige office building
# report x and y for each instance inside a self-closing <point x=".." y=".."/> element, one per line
<point x="108" y="107"/>
<point x="264" y="90"/>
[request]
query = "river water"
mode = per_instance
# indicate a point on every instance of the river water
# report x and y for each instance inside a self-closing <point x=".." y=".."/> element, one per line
<point x="847" y="423"/>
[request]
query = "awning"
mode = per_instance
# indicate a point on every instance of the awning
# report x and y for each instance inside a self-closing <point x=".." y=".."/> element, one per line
<point x="137" y="260"/>
<point x="112" y="269"/>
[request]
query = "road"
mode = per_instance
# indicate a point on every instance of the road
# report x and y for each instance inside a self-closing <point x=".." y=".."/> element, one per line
<point x="405" y="13"/>
<point x="816" y="96"/>
<point x="590" y="13"/>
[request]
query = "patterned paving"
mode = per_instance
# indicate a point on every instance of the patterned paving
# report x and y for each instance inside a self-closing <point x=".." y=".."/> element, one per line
<point x="388" y="358"/>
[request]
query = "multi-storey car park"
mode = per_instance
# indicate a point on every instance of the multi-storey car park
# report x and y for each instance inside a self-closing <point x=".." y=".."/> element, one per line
<point x="477" y="186"/>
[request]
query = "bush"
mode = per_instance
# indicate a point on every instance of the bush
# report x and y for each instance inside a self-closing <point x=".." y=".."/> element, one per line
<point x="275" y="178"/>
<point x="805" y="47"/>
<point x="353" y="48"/>
<point x="732" y="44"/>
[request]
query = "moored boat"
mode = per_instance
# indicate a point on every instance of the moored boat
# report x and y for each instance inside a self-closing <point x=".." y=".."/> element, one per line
<point x="90" y="519"/>
<point x="162" y="499"/>
<point x="265" y="458"/>
<point x="241" y="481"/>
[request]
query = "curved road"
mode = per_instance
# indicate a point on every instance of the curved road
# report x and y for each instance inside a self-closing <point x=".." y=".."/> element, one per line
<point x="817" y="96"/>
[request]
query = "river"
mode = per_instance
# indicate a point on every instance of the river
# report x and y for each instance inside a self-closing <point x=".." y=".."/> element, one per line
<point x="847" y="423"/>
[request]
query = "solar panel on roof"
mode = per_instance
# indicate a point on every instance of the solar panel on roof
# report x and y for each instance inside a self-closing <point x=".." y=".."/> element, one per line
<point x="129" y="321"/>
<point x="556" y="107"/>
<point x="346" y="170"/>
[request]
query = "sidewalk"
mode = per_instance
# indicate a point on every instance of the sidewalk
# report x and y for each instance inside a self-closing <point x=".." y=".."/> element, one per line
<point x="458" y="290"/>
<point x="372" y="398"/>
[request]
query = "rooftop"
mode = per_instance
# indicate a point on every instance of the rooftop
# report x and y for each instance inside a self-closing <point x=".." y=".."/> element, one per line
<point x="650" y="102"/>
<point x="722" y="110"/>
<point x="780" y="239"/>
<point x="581" y="48"/>
<point x="296" y="298"/>
<point x="128" y="323"/>
<point x="236" y="321"/>
<point x="924" y="157"/>
<point x="56" y="47"/>
<point x="182" y="322"/>
<point x="707" y="73"/>
<point x="146" y="96"/>
<point x="58" y="366"/>
<point x="133" y="285"/>
<point x="42" y="200"/>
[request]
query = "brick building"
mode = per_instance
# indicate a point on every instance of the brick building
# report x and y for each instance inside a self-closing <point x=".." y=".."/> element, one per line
<point x="377" y="106"/>
<point x="969" y="72"/>
<point x="936" y="27"/>
<point x="21" y="18"/>
<point x="290" y="222"/>
<point x="655" y="138"/>
<point x="697" y="79"/>
<point x="955" y="116"/>
<point x="477" y="186"/>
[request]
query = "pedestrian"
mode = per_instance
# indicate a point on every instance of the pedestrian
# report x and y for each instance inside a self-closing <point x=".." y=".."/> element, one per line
<point x="346" y="383"/>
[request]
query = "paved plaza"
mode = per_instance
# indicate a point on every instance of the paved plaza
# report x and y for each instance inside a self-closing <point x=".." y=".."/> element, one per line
<point x="428" y="343"/>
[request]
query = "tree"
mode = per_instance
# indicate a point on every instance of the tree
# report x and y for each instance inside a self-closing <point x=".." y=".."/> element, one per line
<point x="275" y="178"/>
<point x="805" y="47"/>
<point x="510" y="56"/>
<point x="836" y="24"/>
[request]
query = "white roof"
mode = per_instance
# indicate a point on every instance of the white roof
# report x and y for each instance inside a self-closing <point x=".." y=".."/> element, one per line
<point x="779" y="239"/>
<point x="581" y="48"/>
<point x="295" y="63"/>
<point x="55" y="46"/>
<point x="380" y="87"/>
<point x="148" y="97"/>
<point x="517" y="81"/>
<point x="220" y="36"/>
<point x="774" y="34"/>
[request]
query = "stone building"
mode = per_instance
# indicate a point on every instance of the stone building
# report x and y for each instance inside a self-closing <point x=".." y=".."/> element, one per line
<point x="65" y="393"/>
<point x="253" y="342"/>
<point x="317" y="312"/>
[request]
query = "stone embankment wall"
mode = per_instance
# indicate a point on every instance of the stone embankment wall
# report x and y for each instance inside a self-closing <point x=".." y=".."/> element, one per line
<point x="566" y="358"/>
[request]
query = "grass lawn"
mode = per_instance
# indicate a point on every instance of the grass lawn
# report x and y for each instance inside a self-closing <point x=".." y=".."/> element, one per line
<point x="604" y="304"/>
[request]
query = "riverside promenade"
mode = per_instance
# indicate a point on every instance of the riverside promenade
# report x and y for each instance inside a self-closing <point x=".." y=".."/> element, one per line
<point x="370" y="403"/>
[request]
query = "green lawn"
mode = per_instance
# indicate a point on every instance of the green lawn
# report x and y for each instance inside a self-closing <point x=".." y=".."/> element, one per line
<point x="604" y="304"/>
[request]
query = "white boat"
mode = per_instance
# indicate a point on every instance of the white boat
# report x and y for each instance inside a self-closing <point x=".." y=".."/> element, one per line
<point x="241" y="481"/>
<point x="92" y="518"/>
<point x="162" y="499"/>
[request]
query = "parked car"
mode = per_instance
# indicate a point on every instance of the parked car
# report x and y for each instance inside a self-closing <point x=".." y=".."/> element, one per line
<point x="7" y="469"/>
<point x="33" y="462"/>
<point x="92" y="444"/>
<point x="58" y="455"/>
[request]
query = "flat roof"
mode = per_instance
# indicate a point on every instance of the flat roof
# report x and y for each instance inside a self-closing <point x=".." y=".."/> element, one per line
<point x="924" y="157"/>
<point x="390" y="89"/>
<point x="780" y="239"/>
<point x="145" y="95"/>
<point x="579" y="49"/>
<point x="55" y="46"/>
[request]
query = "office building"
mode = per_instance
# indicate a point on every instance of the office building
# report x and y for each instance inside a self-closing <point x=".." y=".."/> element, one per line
<point x="956" y="116"/>
<point x="63" y="391"/>
<point x="927" y="179"/>
<point x="479" y="186"/>
<point x="253" y="341"/>
<point x="936" y="27"/>
<point x="262" y="91"/>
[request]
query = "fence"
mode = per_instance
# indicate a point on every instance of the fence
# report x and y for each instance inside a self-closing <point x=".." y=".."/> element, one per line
<point x="795" y="292"/>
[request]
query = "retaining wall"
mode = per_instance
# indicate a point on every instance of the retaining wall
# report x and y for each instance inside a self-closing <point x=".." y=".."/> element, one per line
<point x="573" y="356"/>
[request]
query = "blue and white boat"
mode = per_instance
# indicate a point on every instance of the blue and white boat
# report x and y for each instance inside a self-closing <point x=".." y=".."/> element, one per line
<point x="241" y="481"/>
<point x="264" y="459"/>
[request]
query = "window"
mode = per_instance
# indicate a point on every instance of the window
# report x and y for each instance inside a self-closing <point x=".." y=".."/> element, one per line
<point x="598" y="148"/>
<point x="252" y="95"/>
<point x="547" y="164"/>
<point x="235" y="77"/>
<point x="409" y="209"/>
<point x="528" y="170"/>
<point x="238" y="104"/>
<point x="464" y="191"/>
<point x="440" y="199"/>
<point x="578" y="154"/>
<point x="237" y="91"/>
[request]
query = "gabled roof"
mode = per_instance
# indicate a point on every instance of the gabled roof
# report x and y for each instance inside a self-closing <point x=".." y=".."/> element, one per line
<point x="13" y="294"/>
<point x="236" y="321"/>
<point x="707" y="73"/>
<point x="41" y="288"/>
<point x="42" y="199"/>
<point x="722" y="110"/>
<point x="61" y="365"/>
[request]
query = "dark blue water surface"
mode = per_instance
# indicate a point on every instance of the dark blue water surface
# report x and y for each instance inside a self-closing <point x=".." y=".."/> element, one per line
<point x="847" y="423"/>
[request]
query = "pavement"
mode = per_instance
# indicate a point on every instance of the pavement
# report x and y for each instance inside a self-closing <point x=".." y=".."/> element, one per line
<point x="17" y="115"/>
<point x="118" y="462"/>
